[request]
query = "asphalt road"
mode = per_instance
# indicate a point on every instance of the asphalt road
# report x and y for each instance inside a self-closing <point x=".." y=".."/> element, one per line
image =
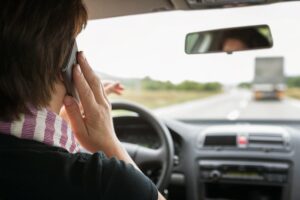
<point x="234" y="105"/>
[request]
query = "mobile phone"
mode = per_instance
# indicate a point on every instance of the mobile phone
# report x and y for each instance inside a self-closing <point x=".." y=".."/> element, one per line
<point x="67" y="71"/>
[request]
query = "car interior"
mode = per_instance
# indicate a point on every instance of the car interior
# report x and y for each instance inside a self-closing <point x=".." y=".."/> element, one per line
<point x="207" y="159"/>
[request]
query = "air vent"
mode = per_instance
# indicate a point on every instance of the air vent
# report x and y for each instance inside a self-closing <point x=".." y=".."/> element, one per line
<point x="264" y="140"/>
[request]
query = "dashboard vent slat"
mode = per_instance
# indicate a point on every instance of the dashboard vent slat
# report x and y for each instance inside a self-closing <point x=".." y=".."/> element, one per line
<point x="263" y="140"/>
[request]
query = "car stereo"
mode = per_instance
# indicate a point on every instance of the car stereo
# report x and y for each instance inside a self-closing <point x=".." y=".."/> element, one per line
<point x="266" y="172"/>
<point x="243" y="180"/>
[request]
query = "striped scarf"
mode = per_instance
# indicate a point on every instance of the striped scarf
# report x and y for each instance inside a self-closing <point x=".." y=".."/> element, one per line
<point x="43" y="126"/>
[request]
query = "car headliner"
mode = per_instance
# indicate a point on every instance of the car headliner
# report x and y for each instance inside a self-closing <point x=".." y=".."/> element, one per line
<point x="99" y="9"/>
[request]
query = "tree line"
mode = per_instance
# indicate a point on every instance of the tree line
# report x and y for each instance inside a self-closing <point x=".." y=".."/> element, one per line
<point x="291" y="82"/>
<point x="187" y="85"/>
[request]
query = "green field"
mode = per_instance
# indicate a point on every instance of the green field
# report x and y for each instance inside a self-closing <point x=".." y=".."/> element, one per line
<point x="156" y="99"/>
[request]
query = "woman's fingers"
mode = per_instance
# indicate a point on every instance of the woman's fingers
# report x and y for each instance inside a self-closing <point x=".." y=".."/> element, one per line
<point x="74" y="116"/>
<point x="92" y="79"/>
<point x="95" y="129"/>
<point x="112" y="87"/>
<point x="119" y="88"/>
<point x="85" y="93"/>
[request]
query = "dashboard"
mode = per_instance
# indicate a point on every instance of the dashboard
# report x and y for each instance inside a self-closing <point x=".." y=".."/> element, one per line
<point x="136" y="130"/>
<point x="230" y="160"/>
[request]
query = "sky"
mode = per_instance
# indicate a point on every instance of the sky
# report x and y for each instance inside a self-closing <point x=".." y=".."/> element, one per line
<point x="153" y="44"/>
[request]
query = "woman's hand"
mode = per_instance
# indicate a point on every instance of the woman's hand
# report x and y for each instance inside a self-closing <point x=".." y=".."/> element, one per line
<point x="111" y="87"/>
<point x="93" y="127"/>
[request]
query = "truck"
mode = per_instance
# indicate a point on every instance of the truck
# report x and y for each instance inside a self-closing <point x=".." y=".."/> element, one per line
<point x="269" y="78"/>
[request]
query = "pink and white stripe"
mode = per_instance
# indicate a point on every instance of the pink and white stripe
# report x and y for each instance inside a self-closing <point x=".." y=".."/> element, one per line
<point x="43" y="126"/>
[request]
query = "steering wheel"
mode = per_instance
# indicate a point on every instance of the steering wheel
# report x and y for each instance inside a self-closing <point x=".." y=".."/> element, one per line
<point x="143" y="155"/>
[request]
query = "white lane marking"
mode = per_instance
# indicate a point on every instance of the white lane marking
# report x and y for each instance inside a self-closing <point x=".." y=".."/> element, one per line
<point x="244" y="103"/>
<point x="233" y="115"/>
<point x="293" y="102"/>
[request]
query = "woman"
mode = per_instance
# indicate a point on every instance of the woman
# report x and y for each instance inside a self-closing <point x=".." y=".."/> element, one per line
<point x="39" y="150"/>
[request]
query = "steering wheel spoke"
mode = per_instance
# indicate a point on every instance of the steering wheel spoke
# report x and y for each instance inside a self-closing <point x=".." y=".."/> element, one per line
<point x="130" y="148"/>
<point x="146" y="156"/>
<point x="143" y="155"/>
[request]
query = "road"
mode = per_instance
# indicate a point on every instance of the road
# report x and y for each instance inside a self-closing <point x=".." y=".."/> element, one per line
<point x="234" y="105"/>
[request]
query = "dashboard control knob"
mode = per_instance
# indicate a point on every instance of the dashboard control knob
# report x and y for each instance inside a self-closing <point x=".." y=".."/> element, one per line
<point x="215" y="175"/>
<point x="176" y="160"/>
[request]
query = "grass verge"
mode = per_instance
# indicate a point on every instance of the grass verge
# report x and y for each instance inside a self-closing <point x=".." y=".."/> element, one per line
<point x="157" y="99"/>
<point x="293" y="92"/>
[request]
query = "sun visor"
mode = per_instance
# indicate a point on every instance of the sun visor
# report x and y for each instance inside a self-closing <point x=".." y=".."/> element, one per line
<point x="99" y="9"/>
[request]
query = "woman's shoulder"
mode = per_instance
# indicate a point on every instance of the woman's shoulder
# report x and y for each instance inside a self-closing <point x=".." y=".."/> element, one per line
<point x="93" y="176"/>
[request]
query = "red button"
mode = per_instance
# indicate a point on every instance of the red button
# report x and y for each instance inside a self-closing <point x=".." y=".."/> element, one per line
<point x="242" y="140"/>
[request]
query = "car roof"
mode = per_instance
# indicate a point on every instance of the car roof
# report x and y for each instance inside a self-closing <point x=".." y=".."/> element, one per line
<point x="99" y="9"/>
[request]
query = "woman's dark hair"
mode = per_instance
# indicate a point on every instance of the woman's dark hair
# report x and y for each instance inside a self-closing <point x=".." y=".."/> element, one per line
<point x="249" y="36"/>
<point x="35" y="37"/>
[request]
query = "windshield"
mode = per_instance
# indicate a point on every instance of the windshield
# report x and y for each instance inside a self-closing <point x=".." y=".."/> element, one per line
<point x="146" y="54"/>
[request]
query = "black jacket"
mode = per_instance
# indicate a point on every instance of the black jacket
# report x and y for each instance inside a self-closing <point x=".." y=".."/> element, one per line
<point x="33" y="170"/>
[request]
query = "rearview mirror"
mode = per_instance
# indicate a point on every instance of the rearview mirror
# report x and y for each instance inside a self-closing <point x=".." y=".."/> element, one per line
<point x="229" y="40"/>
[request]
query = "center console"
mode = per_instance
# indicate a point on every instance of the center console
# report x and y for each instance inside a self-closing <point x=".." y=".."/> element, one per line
<point x="223" y="176"/>
<point x="243" y="180"/>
